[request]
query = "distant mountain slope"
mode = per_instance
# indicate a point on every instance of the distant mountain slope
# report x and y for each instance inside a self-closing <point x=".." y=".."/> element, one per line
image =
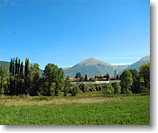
<point x="66" y="68"/>
<point x="91" y="67"/>
<point x="5" y="63"/>
<point x="137" y="64"/>
<point x="121" y="67"/>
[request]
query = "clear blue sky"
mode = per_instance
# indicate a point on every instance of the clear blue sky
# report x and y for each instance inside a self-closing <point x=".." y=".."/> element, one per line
<point x="67" y="32"/>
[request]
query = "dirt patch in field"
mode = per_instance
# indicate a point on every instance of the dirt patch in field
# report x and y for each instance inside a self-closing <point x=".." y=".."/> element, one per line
<point x="59" y="101"/>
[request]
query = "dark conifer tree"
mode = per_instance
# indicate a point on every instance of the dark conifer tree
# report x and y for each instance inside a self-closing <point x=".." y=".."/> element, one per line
<point x="11" y="66"/>
<point x="26" y="67"/>
<point x="16" y="65"/>
<point x="85" y="77"/>
<point x="21" y="70"/>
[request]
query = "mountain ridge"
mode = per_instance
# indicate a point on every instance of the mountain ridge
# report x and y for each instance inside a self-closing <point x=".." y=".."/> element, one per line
<point x="93" y="67"/>
<point x="101" y="68"/>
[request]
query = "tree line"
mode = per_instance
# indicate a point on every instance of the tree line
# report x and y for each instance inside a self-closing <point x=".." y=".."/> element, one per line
<point x="132" y="82"/>
<point x="22" y="79"/>
<point x="25" y="79"/>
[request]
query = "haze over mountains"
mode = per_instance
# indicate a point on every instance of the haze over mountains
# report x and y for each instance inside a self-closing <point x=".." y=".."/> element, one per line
<point x="93" y="67"/>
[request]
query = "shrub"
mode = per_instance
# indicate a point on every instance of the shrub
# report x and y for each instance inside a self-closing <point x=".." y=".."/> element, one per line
<point x="91" y="79"/>
<point x="100" y="88"/>
<point x="92" y="89"/>
<point x="75" y="90"/>
<point x="108" y="89"/>
<point x="129" y="91"/>
<point x="83" y="87"/>
<point x="117" y="87"/>
<point x="97" y="88"/>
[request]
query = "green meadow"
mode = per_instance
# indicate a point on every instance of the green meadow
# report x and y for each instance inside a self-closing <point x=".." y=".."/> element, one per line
<point x="80" y="110"/>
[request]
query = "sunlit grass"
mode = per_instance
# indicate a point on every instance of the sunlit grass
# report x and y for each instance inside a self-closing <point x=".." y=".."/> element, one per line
<point x="121" y="110"/>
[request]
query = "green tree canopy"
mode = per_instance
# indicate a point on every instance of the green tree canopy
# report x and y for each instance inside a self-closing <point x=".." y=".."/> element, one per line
<point x="126" y="81"/>
<point x="117" y="87"/>
<point x="144" y="73"/>
<point x="67" y="86"/>
<point x="3" y="79"/>
<point x="78" y="75"/>
<point x="107" y="76"/>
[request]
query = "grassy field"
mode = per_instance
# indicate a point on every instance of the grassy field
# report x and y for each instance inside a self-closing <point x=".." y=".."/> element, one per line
<point x="90" y="109"/>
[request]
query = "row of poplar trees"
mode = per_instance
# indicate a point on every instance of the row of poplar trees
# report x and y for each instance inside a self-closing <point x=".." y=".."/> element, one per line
<point x="26" y="79"/>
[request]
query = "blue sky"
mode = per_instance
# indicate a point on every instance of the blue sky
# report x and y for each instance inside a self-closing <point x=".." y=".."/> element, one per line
<point x="67" y="32"/>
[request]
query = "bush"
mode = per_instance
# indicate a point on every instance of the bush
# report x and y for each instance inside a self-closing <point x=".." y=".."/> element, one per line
<point x="129" y="91"/>
<point x="91" y="79"/>
<point x="75" y="90"/>
<point x="97" y="88"/>
<point x="117" y="87"/>
<point x="108" y="89"/>
<point x="92" y="89"/>
<point x="83" y="87"/>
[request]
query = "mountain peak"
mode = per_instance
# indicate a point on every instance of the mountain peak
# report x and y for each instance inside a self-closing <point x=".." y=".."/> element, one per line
<point x="92" y="61"/>
<point x="146" y="58"/>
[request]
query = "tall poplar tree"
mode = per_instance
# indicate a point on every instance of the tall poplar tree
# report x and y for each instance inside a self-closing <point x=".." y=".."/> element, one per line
<point x="11" y="66"/>
<point x="18" y="71"/>
<point x="16" y="65"/>
<point x="21" y="70"/>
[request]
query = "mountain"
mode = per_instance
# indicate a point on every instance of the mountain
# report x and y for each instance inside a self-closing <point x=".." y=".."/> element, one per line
<point x="137" y="64"/>
<point x="5" y="63"/>
<point x="121" y="67"/>
<point x="91" y="67"/>
<point x="66" y="68"/>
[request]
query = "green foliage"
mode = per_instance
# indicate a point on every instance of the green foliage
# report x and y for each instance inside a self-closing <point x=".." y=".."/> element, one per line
<point x="67" y="86"/>
<point x="11" y="66"/>
<point x="21" y="70"/>
<point x="27" y="68"/>
<point x="117" y="87"/>
<point x="91" y="79"/>
<point x="34" y="78"/>
<point x="129" y="91"/>
<point x="53" y="74"/>
<point x="108" y="89"/>
<point x="126" y="81"/>
<point x="3" y="79"/>
<point x="86" y="77"/>
<point x="98" y="88"/>
<point x="26" y="80"/>
<point x="92" y="89"/>
<point x="75" y="90"/>
<point x="107" y="76"/>
<point x="60" y="78"/>
<point x="81" y="79"/>
<point x="144" y="73"/>
<point x="135" y="76"/>
<point x="83" y="87"/>
<point x="117" y="77"/>
<point x="78" y="75"/>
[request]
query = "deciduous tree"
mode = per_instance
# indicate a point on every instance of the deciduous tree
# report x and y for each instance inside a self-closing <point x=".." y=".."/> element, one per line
<point x="126" y="81"/>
